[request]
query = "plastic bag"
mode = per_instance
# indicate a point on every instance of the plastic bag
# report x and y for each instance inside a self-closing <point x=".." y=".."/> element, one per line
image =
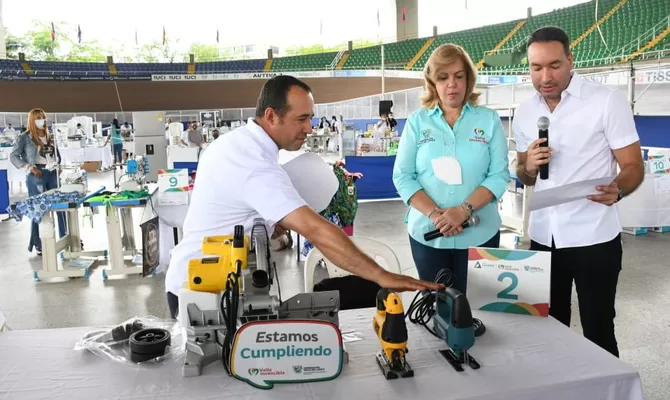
<point x="136" y="340"/>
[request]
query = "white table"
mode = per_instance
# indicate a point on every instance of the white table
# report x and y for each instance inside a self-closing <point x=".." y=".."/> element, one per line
<point x="14" y="175"/>
<point x="522" y="358"/>
<point x="645" y="207"/>
<point x="83" y="154"/>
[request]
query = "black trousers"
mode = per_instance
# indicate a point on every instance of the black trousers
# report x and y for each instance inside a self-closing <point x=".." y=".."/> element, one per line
<point x="595" y="271"/>
<point x="173" y="304"/>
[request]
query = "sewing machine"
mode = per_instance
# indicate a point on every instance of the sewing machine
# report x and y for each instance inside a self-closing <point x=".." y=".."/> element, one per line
<point x="231" y="286"/>
<point x="74" y="180"/>
<point x="136" y="170"/>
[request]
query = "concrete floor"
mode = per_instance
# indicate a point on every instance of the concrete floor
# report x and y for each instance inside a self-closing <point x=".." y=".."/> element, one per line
<point x="643" y="323"/>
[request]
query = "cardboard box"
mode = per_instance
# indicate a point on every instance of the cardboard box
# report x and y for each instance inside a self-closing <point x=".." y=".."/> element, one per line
<point x="91" y="166"/>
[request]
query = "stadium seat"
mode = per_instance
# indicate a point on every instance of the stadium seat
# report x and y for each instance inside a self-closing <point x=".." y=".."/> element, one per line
<point x="310" y="62"/>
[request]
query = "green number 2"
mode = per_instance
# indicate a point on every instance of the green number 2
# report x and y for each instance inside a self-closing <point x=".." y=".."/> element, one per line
<point x="506" y="293"/>
<point x="173" y="181"/>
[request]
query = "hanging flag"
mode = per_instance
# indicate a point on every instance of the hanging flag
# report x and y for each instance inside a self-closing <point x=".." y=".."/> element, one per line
<point x="79" y="33"/>
<point x="53" y="33"/>
<point x="321" y="28"/>
<point x="404" y="11"/>
<point x="466" y="4"/>
<point x="378" y="20"/>
<point x="217" y="34"/>
<point x="136" y="43"/>
<point x="164" y="36"/>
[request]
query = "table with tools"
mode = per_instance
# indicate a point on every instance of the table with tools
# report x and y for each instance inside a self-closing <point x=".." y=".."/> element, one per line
<point x="521" y="357"/>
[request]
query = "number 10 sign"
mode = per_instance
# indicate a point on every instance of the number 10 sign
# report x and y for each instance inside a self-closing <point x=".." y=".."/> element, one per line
<point x="511" y="281"/>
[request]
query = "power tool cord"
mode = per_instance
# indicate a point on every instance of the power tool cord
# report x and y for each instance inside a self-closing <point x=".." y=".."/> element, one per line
<point x="422" y="308"/>
<point x="230" y="300"/>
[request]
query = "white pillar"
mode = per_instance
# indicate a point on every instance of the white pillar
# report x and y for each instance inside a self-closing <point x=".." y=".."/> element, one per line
<point x="3" y="44"/>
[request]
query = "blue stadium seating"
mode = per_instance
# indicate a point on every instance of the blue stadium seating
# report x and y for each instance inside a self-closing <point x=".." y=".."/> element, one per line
<point x="229" y="66"/>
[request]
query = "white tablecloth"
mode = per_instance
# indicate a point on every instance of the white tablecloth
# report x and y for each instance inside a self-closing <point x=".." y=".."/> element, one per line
<point x="522" y="357"/>
<point x="80" y="155"/>
<point x="14" y="175"/>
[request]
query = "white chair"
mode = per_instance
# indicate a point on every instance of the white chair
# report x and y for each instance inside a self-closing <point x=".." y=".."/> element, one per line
<point x="373" y="248"/>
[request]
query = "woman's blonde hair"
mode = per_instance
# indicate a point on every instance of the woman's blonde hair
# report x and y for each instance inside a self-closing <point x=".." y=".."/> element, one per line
<point x="33" y="115"/>
<point x="445" y="55"/>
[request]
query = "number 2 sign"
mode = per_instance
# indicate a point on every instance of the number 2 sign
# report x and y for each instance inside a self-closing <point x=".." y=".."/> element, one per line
<point x="511" y="281"/>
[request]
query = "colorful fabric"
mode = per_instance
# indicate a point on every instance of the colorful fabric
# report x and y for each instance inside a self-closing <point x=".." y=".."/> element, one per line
<point x="108" y="197"/>
<point x="343" y="207"/>
<point x="35" y="207"/>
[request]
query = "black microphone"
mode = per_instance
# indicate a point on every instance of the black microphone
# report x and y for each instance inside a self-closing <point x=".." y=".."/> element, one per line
<point x="472" y="221"/>
<point x="543" y="126"/>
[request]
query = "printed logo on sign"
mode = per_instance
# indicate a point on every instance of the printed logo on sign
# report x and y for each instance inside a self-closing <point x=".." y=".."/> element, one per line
<point x="504" y="267"/>
<point x="532" y="269"/>
<point x="479" y="136"/>
<point x="254" y="371"/>
<point x="297" y="369"/>
<point x="427" y="135"/>
<point x="478" y="265"/>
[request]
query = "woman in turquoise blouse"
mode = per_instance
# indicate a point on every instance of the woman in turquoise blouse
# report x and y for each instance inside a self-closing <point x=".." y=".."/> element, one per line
<point x="452" y="163"/>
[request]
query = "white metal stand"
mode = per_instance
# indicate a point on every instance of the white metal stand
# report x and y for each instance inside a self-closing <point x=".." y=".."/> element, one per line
<point x="121" y="239"/>
<point x="519" y="225"/>
<point x="69" y="247"/>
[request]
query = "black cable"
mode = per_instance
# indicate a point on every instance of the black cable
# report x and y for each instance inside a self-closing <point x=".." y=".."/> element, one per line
<point x="230" y="300"/>
<point x="422" y="309"/>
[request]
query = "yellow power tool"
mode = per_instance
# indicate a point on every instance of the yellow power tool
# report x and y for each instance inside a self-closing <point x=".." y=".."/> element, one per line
<point x="211" y="273"/>
<point x="389" y="325"/>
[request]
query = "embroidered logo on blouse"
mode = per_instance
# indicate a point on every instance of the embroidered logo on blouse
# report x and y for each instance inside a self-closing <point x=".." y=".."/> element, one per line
<point x="479" y="136"/>
<point x="427" y="136"/>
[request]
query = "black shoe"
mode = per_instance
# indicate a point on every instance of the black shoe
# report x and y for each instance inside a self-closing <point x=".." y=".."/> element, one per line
<point x="39" y="252"/>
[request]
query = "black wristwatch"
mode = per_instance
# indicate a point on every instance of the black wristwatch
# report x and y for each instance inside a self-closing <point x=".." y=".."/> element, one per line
<point x="620" y="196"/>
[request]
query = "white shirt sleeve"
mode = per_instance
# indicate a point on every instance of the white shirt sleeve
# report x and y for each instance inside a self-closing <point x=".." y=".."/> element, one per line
<point x="618" y="121"/>
<point x="522" y="141"/>
<point x="269" y="191"/>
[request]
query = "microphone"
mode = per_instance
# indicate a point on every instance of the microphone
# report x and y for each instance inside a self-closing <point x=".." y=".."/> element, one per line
<point x="472" y="221"/>
<point x="543" y="126"/>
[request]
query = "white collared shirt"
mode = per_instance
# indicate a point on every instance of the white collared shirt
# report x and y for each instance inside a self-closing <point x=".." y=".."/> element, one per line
<point x="590" y="121"/>
<point x="238" y="180"/>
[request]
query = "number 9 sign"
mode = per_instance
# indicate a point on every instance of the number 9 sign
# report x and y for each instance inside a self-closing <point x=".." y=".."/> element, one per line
<point x="173" y="181"/>
<point x="509" y="281"/>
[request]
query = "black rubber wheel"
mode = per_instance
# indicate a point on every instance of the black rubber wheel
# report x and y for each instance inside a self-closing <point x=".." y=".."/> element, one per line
<point x="151" y="341"/>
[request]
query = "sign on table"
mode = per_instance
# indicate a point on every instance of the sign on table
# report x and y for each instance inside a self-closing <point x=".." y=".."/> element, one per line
<point x="286" y="351"/>
<point x="511" y="281"/>
<point x="172" y="186"/>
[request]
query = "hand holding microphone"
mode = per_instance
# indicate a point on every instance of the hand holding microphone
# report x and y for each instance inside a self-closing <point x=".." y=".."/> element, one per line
<point x="450" y="222"/>
<point x="539" y="151"/>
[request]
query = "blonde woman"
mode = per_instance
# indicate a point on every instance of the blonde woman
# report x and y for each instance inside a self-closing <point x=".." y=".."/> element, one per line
<point x="451" y="164"/>
<point x="35" y="152"/>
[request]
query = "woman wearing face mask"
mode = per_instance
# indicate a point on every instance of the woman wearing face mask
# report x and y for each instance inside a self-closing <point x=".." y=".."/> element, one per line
<point x="451" y="165"/>
<point x="35" y="152"/>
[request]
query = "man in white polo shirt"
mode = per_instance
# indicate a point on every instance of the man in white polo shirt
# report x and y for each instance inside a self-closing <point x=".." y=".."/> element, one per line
<point x="240" y="179"/>
<point x="591" y="132"/>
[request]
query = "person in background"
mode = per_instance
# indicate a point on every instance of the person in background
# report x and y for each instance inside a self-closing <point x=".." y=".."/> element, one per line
<point x="117" y="141"/>
<point x="215" y="134"/>
<point x="126" y="130"/>
<point x="192" y="137"/>
<point x="452" y="163"/>
<point x="80" y="131"/>
<point x="9" y="129"/>
<point x="392" y="122"/>
<point x="35" y="152"/>
<point x="592" y="133"/>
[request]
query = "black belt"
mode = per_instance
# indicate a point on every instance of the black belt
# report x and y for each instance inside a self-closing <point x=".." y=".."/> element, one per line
<point x="41" y="166"/>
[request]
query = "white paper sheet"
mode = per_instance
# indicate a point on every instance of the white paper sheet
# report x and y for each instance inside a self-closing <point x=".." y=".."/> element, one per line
<point x="566" y="193"/>
<point x="662" y="184"/>
<point x="313" y="179"/>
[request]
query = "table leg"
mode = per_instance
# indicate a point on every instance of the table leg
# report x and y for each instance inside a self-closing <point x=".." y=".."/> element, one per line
<point x="115" y="235"/>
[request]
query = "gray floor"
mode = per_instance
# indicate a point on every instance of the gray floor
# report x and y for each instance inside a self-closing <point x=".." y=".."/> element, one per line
<point x="643" y="322"/>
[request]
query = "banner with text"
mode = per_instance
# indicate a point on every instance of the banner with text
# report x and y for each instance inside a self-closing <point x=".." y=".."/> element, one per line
<point x="286" y="351"/>
<point x="511" y="281"/>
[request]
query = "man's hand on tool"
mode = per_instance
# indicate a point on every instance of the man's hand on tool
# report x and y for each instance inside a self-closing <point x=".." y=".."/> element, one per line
<point x="402" y="283"/>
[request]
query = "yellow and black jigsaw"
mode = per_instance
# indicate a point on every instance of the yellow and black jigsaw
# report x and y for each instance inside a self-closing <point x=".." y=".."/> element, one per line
<point x="389" y="325"/>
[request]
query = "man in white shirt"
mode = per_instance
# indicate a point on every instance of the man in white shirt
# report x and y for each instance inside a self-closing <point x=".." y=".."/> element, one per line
<point x="240" y="179"/>
<point x="591" y="132"/>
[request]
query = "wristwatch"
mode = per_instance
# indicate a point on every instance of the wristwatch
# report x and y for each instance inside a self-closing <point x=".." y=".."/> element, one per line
<point x="469" y="208"/>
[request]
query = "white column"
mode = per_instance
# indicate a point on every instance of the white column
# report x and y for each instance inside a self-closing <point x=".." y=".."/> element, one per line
<point x="3" y="45"/>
